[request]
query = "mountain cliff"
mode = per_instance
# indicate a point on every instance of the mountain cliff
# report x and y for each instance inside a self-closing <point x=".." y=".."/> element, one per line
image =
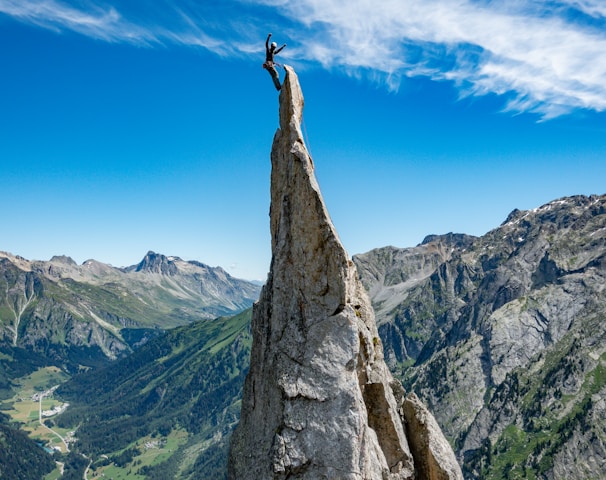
<point x="504" y="337"/>
<point x="535" y="410"/>
<point x="82" y="315"/>
<point x="319" y="400"/>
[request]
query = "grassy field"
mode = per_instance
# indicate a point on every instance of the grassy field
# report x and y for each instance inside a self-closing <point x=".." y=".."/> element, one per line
<point x="24" y="409"/>
<point x="42" y="379"/>
<point x="56" y="474"/>
<point x="151" y="451"/>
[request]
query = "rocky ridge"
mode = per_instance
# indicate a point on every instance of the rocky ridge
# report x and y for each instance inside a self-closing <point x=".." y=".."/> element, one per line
<point x="85" y="314"/>
<point x="319" y="400"/>
<point x="504" y="337"/>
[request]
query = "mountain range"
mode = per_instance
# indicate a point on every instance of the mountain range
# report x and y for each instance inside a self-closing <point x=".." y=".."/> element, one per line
<point x="84" y="315"/>
<point x="503" y="336"/>
<point x="60" y="316"/>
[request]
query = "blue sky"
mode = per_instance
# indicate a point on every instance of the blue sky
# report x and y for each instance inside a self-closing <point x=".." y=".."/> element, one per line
<point x="133" y="126"/>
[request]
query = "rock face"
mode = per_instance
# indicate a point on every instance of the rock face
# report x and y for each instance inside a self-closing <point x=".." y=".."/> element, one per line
<point x="319" y="401"/>
<point x="503" y="336"/>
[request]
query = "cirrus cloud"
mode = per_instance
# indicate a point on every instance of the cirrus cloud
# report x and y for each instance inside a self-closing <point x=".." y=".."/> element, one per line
<point x="547" y="57"/>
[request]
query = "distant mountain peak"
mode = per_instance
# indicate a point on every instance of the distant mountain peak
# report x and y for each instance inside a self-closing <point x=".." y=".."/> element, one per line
<point x="461" y="240"/>
<point x="563" y="206"/>
<point x="64" y="259"/>
<point x="157" y="263"/>
<point x="104" y="308"/>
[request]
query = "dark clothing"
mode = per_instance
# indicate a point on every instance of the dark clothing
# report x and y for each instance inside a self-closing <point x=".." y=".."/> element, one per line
<point x="271" y="51"/>
<point x="269" y="65"/>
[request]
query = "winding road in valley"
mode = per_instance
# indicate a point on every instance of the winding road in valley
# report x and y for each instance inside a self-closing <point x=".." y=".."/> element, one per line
<point x="42" y="396"/>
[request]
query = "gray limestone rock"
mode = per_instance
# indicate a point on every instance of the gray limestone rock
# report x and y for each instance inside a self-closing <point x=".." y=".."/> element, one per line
<point x="319" y="399"/>
<point x="504" y="338"/>
<point x="434" y="459"/>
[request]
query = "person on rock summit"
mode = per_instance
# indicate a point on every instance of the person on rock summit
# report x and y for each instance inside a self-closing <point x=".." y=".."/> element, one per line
<point x="270" y="65"/>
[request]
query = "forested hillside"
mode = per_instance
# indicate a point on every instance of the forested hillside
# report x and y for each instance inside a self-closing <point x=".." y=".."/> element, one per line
<point x="21" y="457"/>
<point x="182" y="389"/>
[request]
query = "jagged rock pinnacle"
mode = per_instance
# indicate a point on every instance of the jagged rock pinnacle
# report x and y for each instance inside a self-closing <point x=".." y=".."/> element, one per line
<point x="319" y="401"/>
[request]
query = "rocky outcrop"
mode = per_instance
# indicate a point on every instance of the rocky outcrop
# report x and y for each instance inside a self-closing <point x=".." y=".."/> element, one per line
<point x="434" y="459"/>
<point x="504" y="338"/>
<point x="319" y="401"/>
<point x="155" y="263"/>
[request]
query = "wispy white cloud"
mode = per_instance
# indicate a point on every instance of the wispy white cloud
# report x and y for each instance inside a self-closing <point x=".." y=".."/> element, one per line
<point x="594" y="8"/>
<point x="528" y="50"/>
<point x="94" y="21"/>
<point x="543" y="56"/>
<point x="182" y="22"/>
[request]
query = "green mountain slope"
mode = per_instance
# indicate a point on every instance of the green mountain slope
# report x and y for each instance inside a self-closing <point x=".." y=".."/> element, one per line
<point x="183" y="387"/>
<point x="81" y="316"/>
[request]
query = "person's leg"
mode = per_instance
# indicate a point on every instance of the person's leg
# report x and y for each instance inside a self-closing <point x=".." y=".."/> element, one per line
<point x="275" y="77"/>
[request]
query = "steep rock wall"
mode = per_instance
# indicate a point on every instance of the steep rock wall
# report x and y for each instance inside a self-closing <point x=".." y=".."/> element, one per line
<point x="319" y="399"/>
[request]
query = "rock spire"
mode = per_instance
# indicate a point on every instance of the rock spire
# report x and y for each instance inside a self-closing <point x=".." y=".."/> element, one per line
<point x="319" y="401"/>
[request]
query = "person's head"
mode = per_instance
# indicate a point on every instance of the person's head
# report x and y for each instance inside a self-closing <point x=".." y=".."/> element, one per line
<point x="273" y="45"/>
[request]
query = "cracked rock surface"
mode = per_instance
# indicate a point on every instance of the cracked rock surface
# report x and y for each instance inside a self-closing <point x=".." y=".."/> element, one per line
<point x="319" y="401"/>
